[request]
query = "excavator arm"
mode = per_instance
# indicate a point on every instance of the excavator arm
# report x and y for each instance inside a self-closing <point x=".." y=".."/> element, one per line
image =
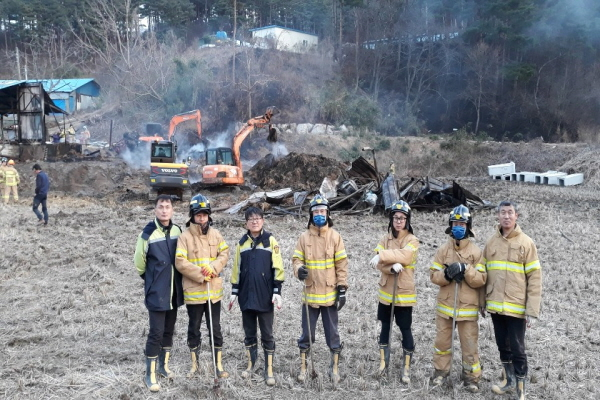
<point x="253" y="123"/>
<point x="186" y="116"/>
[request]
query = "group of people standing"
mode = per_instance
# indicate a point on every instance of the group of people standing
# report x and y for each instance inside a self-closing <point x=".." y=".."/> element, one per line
<point x="179" y="268"/>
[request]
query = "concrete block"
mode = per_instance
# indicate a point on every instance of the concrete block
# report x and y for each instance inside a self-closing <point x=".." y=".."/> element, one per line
<point x="551" y="177"/>
<point x="570" y="180"/>
<point x="526" y="176"/>
<point x="501" y="169"/>
<point x="501" y="177"/>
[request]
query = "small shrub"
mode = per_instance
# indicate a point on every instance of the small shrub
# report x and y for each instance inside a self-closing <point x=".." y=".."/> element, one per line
<point x="434" y="137"/>
<point x="383" y="145"/>
<point x="404" y="149"/>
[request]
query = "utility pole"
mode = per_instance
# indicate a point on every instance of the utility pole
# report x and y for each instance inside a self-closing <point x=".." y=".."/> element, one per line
<point x="234" y="38"/>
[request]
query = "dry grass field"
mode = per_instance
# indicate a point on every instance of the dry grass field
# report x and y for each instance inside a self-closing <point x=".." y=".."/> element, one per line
<point x="73" y="323"/>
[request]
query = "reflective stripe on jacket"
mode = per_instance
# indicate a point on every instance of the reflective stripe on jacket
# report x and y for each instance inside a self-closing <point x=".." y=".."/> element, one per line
<point x="257" y="272"/>
<point x="11" y="176"/>
<point x="322" y="251"/>
<point x="403" y="250"/>
<point x="514" y="283"/>
<point x="195" y="250"/>
<point x="154" y="260"/>
<point x="471" y="293"/>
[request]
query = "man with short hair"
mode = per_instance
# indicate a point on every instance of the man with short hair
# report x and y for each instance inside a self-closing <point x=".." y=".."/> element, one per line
<point x="155" y="262"/>
<point x="256" y="278"/>
<point x="42" y="185"/>
<point x="513" y="295"/>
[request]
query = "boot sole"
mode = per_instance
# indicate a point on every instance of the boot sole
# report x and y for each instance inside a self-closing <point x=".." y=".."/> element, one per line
<point x="498" y="390"/>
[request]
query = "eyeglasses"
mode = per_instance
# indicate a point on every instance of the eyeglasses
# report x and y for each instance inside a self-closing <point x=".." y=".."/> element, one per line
<point x="254" y="219"/>
<point x="399" y="219"/>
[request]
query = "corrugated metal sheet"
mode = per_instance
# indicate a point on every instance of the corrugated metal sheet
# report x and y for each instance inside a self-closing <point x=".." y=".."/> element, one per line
<point x="8" y="83"/>
<point x="64" y="85"/>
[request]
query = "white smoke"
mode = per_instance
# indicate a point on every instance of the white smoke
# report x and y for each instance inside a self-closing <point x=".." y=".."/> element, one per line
<point x="137" y="159"/>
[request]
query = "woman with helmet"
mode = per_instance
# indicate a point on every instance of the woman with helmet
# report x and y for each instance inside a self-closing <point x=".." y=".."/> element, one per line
<point x="396" y="258"/>
<point x="201" y="256"/>
<point x="11" y="182"/>
<point x="320" y="261"/>
<point x="458" y="260"/>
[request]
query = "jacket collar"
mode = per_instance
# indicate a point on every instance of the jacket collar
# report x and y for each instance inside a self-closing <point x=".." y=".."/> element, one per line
<point x="196" y="230"/>
<point x="462" y="243"/>
<point x="516" y="232"/>
<point x="314" y="230"/>
<point x="401" y="234"/>
<point x="161" y="226"/>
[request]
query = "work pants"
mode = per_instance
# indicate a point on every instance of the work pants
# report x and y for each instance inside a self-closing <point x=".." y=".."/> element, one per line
<point x="162" y="326"/>
<point x="510" y="339"/>
<point x="265" y="321"/>
<point x="403" y="318"/>
<point x="468" y="333"/>
<point x="195" y="313"/>
<point x="329" y="316"/>
<point x="7" y="191"/>
<point x="37" y="200"/>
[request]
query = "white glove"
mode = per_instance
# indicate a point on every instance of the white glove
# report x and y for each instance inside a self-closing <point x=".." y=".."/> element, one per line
<point x="374" y="261"/>
<point x="397" y="267"/>
<point x="232" y="301"/>
<point x="277" y="300"/>
<point x="531" y="321"/>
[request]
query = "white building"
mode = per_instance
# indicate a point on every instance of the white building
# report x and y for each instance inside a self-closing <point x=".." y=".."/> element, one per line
<point x="281" y="38"/>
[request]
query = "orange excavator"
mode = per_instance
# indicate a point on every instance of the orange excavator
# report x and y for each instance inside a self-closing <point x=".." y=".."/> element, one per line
<point x="223" y="164"/>
<point x="167" y="174"/>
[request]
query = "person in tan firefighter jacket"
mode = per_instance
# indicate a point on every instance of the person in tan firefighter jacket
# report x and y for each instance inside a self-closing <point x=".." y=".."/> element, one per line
<point x="513" y="295"/>
<point x="201" y="256"/>
<point x="396" y="259"/>
<point x="458" y="270"/>
<point x="256" y="279"/>
<point x="3" y="162"/>
<point x="154" y="260"/>
<point x="321" y="263"/>
<point x="11" y="182"/>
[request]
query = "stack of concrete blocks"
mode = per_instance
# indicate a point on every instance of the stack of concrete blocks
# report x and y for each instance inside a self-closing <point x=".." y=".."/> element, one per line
<point x="506" y="172"/>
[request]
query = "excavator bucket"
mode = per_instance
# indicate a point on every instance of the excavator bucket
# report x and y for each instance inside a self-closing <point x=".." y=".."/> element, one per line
<point x="272" y="134"/>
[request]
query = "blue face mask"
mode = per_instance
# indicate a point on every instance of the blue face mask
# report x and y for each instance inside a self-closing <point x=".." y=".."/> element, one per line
<point x="458" y="232"/>
<point x="319" y="220"/>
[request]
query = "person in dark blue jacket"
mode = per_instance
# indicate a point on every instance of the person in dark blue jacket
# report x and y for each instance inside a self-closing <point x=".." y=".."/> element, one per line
<point x="42" y="186"/>
<point x="256" y="278"/>
<point x="154" y="260"/>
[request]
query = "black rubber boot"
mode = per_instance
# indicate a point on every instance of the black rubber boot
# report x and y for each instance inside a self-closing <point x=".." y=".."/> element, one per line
<point x="163" y="363"/>
<point x="406" y="361"/>
<point x="334" y="365"/>
<point x="150" y="379"/>
<point x="384" y="358"/>
<point x="520" y="387"/>
<point x="252" y="353"/>
<point x="508" y="383"/>
<point x="194" y="359"/>
<point x="303" y="360"/>
<point x="218" y="359"/>
<point x="268" y="374"/>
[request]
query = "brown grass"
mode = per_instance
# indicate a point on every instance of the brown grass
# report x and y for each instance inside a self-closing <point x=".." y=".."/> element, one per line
<point x="73" y="323"/>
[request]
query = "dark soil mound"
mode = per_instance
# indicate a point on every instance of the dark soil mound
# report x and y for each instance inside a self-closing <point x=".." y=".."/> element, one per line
<point x="298" y="171"/>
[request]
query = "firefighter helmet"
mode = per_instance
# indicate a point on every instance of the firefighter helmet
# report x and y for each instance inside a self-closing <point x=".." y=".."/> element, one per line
<point x="11" y="162"/>
<point x="198" y="204"/>
<point x="460" y="213"/>
<point x="402" y="207"/>
<point x="318" y="200"/>
<point x="4" y="160"/>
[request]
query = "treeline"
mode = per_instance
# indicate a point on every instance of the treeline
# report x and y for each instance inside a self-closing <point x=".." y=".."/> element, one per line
<point x="506" y="69"/>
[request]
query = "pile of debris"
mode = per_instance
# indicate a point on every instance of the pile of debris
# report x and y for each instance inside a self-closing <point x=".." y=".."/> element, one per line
<point x="300" y="171"/>
<point x="357" y="189"/>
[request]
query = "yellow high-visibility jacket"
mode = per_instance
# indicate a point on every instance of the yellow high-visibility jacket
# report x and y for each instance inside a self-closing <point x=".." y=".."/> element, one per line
<point x="322" y="251"/>
<point x="402" y="250"/>
<point x="195" y="250"/>
<point x="11" y="176"/>
<point x="514" y="283"/>
<point x="471" y="293"/>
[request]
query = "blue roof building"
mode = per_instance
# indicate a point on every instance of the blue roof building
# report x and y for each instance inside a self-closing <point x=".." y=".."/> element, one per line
<point x="72" y="95"/>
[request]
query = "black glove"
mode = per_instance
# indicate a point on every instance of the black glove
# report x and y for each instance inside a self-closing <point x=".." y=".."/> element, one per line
<point x="302" y="273"/>
<point x="340" y="299"/>
<point x="446" y="276"/>
<point x="456" y="271"/>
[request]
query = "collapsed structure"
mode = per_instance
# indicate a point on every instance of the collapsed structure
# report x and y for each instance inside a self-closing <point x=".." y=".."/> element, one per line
<point x="357" y="188"/>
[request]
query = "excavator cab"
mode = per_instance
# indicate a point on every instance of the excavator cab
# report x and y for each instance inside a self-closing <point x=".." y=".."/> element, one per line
<point x="162" y="152"/>
<point x="219" y="156"/>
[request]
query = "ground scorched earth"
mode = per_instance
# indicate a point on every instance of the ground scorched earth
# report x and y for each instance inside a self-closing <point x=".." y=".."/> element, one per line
<point x="73" y="323"/>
